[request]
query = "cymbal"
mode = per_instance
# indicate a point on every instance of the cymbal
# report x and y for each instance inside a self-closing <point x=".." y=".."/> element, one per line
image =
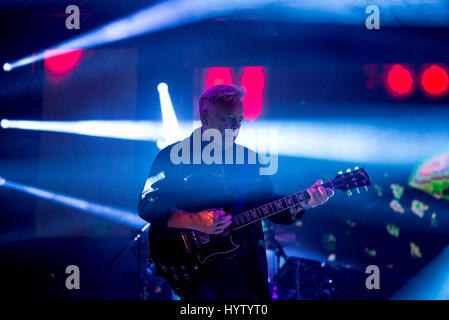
<point x="286" y="238"/>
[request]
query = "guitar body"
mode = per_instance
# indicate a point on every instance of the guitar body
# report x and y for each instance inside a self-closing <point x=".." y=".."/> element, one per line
<point x="180" y="254"/>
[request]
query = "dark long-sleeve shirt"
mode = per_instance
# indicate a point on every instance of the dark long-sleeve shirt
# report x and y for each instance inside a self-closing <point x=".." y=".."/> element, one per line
<point x="234" y="187"/>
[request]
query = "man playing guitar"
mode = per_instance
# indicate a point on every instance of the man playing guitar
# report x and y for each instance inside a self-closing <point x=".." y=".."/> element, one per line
<point x="205" y="197"/>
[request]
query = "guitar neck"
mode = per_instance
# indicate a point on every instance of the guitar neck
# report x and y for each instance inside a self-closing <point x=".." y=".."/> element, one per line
<point x="269" y="209"/>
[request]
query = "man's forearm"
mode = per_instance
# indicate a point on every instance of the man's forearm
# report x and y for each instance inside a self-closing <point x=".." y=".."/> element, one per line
<point x="180" y="219"/>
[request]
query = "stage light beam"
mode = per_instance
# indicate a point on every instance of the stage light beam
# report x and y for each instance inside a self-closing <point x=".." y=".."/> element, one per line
<point x="125" y="217"/>
<point x="173" y="13"/>
<point x="160" y="16"/>
<point x="121" y="129"/>
<point x="430" y="283"/>
<point x="352" y="140"/>
<point x="170" y="125"/>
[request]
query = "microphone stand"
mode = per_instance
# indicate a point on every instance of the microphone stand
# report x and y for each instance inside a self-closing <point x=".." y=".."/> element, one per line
<point x="136" y="237"/>
<point x="281" y="253"/>
<point x="278" y="250"/>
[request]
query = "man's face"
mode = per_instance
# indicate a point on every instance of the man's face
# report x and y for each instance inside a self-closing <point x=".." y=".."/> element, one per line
<point x="222" y="117"/>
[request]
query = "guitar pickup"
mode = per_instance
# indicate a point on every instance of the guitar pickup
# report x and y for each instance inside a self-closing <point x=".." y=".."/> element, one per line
<point x="197" y="243"/>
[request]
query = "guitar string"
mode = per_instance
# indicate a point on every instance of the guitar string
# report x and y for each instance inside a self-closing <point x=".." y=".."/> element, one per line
<point x="207" y="237"/>
<point x="260" y="218"/>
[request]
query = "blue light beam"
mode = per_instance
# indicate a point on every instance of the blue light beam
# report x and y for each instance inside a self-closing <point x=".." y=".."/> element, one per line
<point x="375" y="141"/>
<point x="128" y="218"/>
<point x="173" y="13"/>
<point x="431" y="283"/>
<point x="164" y="15"/>
<point x="172" y="132"/>
<point x="130" y="130"/>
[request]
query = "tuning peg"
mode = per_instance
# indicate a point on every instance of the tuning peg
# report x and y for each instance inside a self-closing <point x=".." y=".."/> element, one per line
<point x="366" y="188"/>
<point x="349" y="193"/>
<point x="356" y="168"/>
<point x="358" y="191"/>
<point x="349" y="170"/>
<point x="340" y="172"/>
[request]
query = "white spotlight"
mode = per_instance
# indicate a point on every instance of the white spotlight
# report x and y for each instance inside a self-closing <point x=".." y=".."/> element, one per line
<point x="4" y="123"/>
<point x="162" y="87"/>
<point x="7" y="66"/>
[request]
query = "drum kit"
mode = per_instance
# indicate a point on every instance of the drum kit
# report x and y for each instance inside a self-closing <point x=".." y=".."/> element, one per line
<point x="295" y="277"/>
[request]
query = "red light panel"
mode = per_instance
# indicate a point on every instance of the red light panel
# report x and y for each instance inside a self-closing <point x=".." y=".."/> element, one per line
<point x="434" y="80"/>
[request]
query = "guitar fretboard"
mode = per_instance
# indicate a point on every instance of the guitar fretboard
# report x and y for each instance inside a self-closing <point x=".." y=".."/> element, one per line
<point x="246" y="218"/>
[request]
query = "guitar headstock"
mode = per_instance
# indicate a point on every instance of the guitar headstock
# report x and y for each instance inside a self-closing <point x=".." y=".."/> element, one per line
<point x="351" y="180"/>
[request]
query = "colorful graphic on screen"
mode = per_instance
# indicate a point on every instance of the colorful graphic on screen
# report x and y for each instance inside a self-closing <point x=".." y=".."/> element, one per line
<point x="432" y="176"/>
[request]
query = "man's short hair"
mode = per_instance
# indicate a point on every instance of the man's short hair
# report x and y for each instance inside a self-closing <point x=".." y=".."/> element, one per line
<point x="221" y="95"/>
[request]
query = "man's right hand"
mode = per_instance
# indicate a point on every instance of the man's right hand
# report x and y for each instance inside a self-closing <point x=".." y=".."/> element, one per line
<point x="211" y="221"/>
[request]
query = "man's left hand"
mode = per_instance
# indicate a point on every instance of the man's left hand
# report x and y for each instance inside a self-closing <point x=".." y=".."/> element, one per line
<point x="318" y="195"/>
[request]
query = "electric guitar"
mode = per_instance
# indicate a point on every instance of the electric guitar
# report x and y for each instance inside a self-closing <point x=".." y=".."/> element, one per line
<point x="180" y="254"/>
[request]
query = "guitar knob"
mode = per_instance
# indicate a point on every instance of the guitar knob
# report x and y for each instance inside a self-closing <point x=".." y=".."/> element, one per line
<point x="186" y="276"/>
<point x="357" y="189"/>
<point x="164" y="268"/>
<point x="366" y="188"/>
<point x="183" y="267"/>
<point x="195" y="267"/>
<point x="175" y="277"/>
<point x="172" y="269"/>
<point x="349" y="193"/>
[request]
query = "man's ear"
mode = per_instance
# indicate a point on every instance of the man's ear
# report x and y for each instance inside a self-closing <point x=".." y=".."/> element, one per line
<point x="203" y="117"/>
